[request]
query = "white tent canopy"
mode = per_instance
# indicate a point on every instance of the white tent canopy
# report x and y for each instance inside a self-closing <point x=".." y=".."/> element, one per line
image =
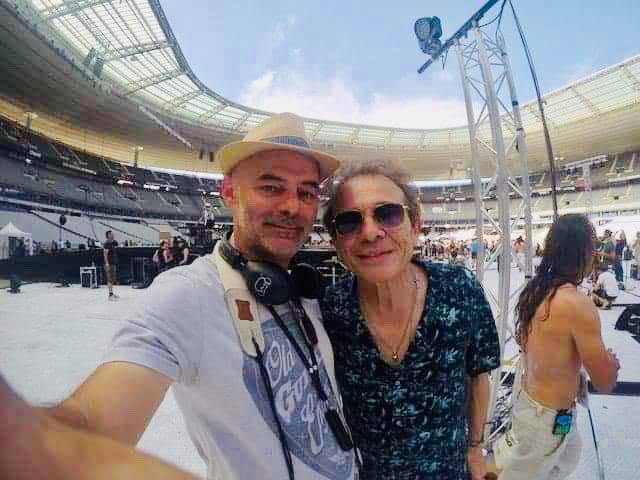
<point x="10" y="230"/>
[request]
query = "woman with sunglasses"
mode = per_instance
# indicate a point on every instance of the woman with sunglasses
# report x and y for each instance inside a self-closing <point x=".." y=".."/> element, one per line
<point x="413" y="341"/>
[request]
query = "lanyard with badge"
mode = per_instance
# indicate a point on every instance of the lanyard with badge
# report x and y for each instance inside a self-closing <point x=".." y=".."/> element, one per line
<point x="271" y="285"/>
<point x="334" y="420"/>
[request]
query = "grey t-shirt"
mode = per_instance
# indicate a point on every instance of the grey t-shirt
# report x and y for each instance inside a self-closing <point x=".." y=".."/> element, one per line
<point x="181" y="328"/>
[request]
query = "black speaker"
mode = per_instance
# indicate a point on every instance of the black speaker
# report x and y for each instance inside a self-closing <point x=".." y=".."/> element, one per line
<point x="62" y="219"/>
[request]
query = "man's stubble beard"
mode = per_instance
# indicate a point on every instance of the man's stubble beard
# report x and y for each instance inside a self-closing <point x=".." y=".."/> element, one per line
<point x="256" y="246"/>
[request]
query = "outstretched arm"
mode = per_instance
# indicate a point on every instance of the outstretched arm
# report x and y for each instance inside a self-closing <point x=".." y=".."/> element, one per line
<point x="33" y="446"/>
<point x="118" y="400"/>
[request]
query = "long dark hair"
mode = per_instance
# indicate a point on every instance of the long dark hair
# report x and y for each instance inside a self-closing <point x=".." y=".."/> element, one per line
<point x="567" y="258"/>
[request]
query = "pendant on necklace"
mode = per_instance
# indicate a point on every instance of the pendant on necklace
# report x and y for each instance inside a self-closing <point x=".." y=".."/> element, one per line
<point x="393" y="361"/>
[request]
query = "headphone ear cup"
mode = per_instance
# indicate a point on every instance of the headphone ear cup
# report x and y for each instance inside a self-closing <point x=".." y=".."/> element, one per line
<point x="268" y="282"/>
<point x="306" y="282"/>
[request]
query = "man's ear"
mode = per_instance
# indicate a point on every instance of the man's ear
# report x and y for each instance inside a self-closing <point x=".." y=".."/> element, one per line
<point x="227" y="191"/>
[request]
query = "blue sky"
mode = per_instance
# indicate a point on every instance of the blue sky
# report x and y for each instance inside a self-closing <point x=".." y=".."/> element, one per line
<point x="356" y="61"/>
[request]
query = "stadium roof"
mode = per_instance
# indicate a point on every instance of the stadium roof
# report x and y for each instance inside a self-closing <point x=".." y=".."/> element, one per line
<point x="141" y="57"/>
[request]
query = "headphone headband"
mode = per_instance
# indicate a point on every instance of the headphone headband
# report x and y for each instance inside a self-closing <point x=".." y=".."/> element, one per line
<point x="268" y="282"/>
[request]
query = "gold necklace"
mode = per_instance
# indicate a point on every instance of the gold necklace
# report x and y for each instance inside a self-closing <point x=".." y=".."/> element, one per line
<point x="394" y="359"/>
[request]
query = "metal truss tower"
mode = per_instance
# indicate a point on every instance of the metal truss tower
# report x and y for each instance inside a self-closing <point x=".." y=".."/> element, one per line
<point x="487" y="83"/>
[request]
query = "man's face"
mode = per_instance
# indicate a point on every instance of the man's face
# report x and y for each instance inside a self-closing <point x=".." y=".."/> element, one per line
<point x="110" y="236"/>
<point x="373" y="252"/>
<point x="274" y="199"/>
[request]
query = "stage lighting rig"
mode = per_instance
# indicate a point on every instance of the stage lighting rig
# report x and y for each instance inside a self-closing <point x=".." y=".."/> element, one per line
<point x="428" y="31"/>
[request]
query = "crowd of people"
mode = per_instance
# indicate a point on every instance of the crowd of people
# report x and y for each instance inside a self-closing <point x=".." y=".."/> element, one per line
<point x="383" y="376"/>
<point x="608" y="276"/>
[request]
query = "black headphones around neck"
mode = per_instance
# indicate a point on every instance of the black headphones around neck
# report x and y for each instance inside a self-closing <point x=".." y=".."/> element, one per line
<point x="268" y="282"/>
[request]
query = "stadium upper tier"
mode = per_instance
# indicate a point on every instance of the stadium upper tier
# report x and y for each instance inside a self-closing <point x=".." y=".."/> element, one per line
<point x="106" y="76"/>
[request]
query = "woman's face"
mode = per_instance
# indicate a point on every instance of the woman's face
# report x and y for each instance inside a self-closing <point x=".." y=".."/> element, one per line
<point x="373" y="252"/>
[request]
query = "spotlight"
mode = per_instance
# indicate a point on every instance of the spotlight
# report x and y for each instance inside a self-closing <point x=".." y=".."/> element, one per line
<point x="428" y="31"/>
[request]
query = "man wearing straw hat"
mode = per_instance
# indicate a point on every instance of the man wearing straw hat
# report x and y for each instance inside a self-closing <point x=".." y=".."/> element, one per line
<point x="250" y="364"/>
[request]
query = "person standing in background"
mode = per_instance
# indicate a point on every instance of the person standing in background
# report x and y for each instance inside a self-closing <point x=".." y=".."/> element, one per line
<point x="558" y="332"/>
<point x="636" y="249"/>
<point x="109" y="249"/>
<point x="620" y="245"/>
<point x="181" y="252"/>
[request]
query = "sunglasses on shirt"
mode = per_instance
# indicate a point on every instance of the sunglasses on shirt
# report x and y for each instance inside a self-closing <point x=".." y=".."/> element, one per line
<point x="386" y="215"/>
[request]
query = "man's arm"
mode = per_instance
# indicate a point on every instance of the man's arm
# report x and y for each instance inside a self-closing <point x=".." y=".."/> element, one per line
<point x="118" y="400"/>
<point x="105" y="253"/>
<point x="37" y="447"/>
<point x="602" y="365"/>
<point x="476" y="419"/>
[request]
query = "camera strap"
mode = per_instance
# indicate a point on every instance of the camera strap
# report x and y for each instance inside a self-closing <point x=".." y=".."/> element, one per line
<point x="242" y="306"/>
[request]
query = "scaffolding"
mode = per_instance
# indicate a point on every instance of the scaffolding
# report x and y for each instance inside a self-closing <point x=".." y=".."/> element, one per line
<point x="487" y="81"/>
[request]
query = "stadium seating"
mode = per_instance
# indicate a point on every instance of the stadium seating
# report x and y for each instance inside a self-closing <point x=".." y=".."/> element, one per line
<point x="52" y="173"/>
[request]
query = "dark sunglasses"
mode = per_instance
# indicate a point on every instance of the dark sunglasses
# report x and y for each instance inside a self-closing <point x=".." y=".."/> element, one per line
<point x="387" y="215"/>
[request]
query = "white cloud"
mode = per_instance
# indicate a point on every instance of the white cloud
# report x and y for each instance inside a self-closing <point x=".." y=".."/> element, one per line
<point x="337" y="99"/>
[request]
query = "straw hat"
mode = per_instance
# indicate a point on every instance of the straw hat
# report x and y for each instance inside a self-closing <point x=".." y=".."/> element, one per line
<point x="284" y="131"/>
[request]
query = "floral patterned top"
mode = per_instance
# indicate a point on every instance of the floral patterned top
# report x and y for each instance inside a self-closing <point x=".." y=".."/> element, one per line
<point x="410" y="422"/>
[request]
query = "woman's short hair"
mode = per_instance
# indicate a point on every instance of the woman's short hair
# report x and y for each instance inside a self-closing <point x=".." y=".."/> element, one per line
<point x="391" y="170"/>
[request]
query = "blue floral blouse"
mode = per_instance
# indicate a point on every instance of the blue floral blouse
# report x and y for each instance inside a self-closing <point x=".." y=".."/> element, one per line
<point x="410" y="422"/>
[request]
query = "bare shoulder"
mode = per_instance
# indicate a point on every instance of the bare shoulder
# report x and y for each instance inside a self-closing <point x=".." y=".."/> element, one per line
<point x="570" y="302"/>
<point x="575" y="306"/>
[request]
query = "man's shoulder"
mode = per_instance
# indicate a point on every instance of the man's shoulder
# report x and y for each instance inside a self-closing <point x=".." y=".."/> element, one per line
<point x="200" y="274"/>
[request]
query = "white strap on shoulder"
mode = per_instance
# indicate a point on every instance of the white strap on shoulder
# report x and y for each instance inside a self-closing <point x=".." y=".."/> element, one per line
<point x="242" y="306"/>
